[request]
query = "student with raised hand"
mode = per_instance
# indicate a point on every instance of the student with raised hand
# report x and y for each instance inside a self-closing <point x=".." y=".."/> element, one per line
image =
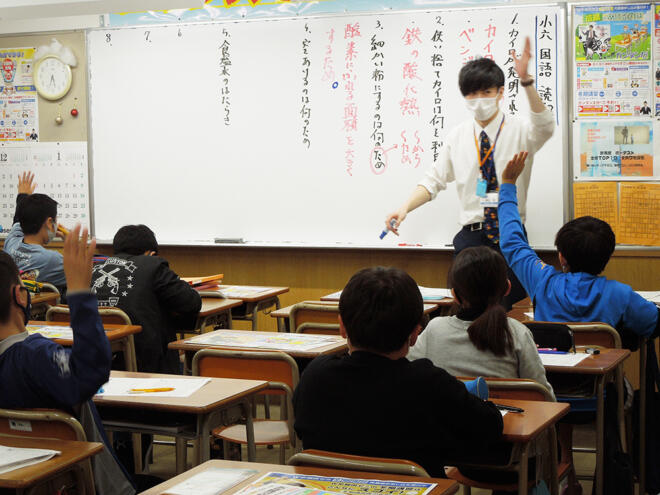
<point x="374" y="401"/>
<point x="35" y="372"/>
<point x="578" y="292"/>
<point x="475" y="152"/>
<point x="35" y="225"/>
<point x="480" y="340"/>
<point x="139" y="282"/>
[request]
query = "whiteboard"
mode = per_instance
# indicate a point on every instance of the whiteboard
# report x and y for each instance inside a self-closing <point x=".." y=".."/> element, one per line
<point x="169" y="152"/>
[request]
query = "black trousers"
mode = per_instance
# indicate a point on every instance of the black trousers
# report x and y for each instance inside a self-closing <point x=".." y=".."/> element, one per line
<point x="472" y="238"/>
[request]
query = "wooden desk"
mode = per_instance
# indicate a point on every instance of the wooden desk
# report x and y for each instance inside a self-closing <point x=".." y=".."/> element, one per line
<point x="444" y="486"/>
<point x="221" y="401"/>
<point x="523" y="428"/>
<point x="215" y="310"/>
<point x="601" y="366"/>
<point x="283" y="314"/>
<point x="255" y="299"/>
<point x="120" y="337"/>
<point x="72" y="453"/>
<point x="190" y="349"/>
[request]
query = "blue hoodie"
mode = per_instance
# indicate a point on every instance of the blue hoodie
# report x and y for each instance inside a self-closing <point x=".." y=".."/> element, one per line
<point x="570" y="297"/>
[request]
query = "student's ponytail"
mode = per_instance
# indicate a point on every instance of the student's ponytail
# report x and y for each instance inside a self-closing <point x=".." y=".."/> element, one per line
<point x="479" y="279"/>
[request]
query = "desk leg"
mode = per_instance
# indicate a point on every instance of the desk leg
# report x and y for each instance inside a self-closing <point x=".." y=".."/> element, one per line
<point x="600" y="433"/>
<point x="554" y="481"/>
<point x="129" y="354"/>
<point x="280" y="323"/>
<point x="643" y="356"/>
<point x="204" y="431"/>
<point x="249" y="431"/>
<point x="522" y="469"/>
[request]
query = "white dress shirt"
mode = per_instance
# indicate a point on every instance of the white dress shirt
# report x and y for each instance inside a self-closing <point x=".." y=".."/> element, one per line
<point x="459" y="159"/>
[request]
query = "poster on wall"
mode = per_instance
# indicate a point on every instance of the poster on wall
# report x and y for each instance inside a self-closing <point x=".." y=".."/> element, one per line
<point x="656" y="54"/>
<point x="613" y="61"/>
<point x="19" y="119"/>
<point x="261" y="9"/>
<point x="614" y="150"/>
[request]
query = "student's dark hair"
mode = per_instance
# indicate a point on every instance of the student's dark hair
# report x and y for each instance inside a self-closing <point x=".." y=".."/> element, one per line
<point x="8" y="278"/>
<point x="479" y="279"/>
<point x="134" y="239"/>
<point x="380" y="307"/>
<point x="34" y="210"/>
<point x="479" y="74"/>
<point x="587" y="244"/>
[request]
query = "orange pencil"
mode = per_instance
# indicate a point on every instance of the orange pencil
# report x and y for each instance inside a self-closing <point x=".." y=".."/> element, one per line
<point x="148" y="390"/>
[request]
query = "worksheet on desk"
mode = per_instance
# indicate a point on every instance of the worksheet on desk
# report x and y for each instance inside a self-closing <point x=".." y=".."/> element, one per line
<point x="568" y="359"/>
<point x="51" y="332"/>
<point x="152" y="387"/>
<point x="650" y="295"/>
<point x="15" y="458"/>
<point x="211" y="481"/>
<point x="265" y="340"/>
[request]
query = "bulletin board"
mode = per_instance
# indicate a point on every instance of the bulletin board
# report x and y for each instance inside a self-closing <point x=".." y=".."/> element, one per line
<point x="306" y="131"/>
<point x="616" y="164"/>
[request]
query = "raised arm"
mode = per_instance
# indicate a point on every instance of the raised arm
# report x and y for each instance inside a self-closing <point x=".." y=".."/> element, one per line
<point x="75" y="376"/>
<point x="521" y="66"/>
<point x="522" y="259"/>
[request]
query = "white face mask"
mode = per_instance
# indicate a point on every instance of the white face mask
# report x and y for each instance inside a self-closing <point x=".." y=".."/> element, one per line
<point x="52" y="233"/>
<point x="482" y="108"/>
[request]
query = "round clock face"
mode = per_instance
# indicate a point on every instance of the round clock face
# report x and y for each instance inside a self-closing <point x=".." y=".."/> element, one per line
<point x="52" y="77"/>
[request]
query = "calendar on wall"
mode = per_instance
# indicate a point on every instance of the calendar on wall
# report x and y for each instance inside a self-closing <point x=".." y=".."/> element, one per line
<point x="61" y="172"/>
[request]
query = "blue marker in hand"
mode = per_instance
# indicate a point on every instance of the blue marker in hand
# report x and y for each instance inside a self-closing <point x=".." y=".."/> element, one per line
<point x="385" y="231"/>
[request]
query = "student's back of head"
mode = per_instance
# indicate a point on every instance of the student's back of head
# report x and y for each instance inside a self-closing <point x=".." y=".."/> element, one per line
<point x="380" y="308"/>
<point x="9" y="278"/>
<point x="134" y="239"/>
<point x="34" y="210"/>
<point x="478" y="277"/>
<point x="586" y="243"/>
<point x="478" y="75"/>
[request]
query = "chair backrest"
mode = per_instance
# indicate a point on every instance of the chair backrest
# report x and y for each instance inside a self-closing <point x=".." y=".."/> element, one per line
<point x="515" y="388"/>
<point x="336" y="460"/>
<point x="109" y="315"/>
<point x="306" y="312"/>
<point x="595" y="333"/>
<point x="553" y="335"/>
<point x="48" y="287"/>
<point x="40" y="423"/>
<point x="272" y="366"/>
<point x="318" y="328"/>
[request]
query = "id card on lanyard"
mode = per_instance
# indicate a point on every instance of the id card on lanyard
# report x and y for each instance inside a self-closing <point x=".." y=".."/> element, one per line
<point x="486" y="198"/>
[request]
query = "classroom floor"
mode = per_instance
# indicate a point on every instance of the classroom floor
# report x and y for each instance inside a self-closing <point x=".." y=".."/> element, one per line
<point x="164" y="461"/>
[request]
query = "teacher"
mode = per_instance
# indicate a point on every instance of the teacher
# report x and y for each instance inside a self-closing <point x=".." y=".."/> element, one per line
<point x="476" y="151"/>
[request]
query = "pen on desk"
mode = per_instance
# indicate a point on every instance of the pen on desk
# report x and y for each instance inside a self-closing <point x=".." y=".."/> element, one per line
<point x="149" y="390"/>
<point x="509" y="408"/>
<point x="385" y="231"/>
<point x="551" y="351"/>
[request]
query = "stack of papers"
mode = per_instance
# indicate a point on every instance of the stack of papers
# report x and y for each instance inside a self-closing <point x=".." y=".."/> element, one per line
<point x="653" y="296"/>
<point x="264" y="340"/>
<point x="15" y="458"/>
<point x="211" y="481"/>
<point x="433" y="294"/>
<point x="152" y="387"/>
<point x="51" y="332"/>
<point x="240" y="291"/>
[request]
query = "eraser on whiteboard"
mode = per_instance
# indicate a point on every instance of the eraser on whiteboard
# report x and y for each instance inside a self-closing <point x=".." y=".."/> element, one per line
<point x="229" y="240"/>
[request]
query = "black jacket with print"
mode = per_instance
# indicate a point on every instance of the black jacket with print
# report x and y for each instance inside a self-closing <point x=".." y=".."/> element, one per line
<point x="153" y="296"/>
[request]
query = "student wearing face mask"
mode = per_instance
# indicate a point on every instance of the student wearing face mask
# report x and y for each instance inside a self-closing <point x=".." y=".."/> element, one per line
<point x="35" y="225"/>
<point x="476" y="151"/>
